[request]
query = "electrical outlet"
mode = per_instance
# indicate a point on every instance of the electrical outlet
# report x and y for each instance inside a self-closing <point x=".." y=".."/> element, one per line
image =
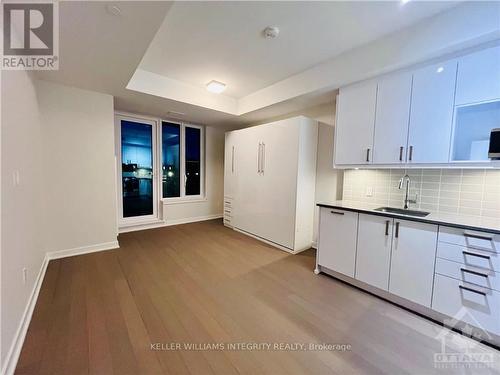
<point x="369" y="191"/>
<point x="25" y="275"/>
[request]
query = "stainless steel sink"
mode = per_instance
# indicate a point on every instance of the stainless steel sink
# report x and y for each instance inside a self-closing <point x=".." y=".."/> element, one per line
<point x="402" y="211"/>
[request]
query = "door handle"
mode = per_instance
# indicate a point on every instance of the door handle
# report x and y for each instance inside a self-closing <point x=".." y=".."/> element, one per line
<point x="259" y="157"/>
<point x="472" y="290"/>
<point x="232" y="160"/>
<point x="401" y="149"/>
<point x="263" y="168"/>
<point x="396" y="234"/>
<point x="387" y="227"/>
<point x="474" y="272"/>
<point x="477" y="236"/>
<point x="476" y="255"/>
<point x="410" y="157"/>
<point x="336" y="212"/>
<point x="368" y="155"/>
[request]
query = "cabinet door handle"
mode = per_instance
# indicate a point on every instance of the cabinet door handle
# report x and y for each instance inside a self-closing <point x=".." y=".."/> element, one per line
<point x="337" y="213"/>
<point x="368" y="155"/>
<point x="259" y="157"/>
<point x="474" y="272"/>
<point x="401" y="149"/>
<point x="479" y="237"/>
<point x="476" y="255"/>
<point x="396" y="235"/>
<point x="263" y="167"/>
<point x="472" y="290"/>
<point x="387" y="227"/>
<point x="232" y="160"/>
<point x="410" y="157"/>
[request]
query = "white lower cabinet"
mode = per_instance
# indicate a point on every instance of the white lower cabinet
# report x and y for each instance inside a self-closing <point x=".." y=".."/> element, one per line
<point x="337" y="240"/>
<point x="413" y="259"/>
<point x="374" y="250"/>
<point x="472" y="304"/>
<point x="453" y="271"/>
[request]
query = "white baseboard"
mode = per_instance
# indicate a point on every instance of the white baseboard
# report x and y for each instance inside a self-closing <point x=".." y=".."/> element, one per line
<point x="314" y="245"/>
<point x="17" y="344"/>
<point x="83" y="250"/>
<point x="168" y="223"/>
<point x="192" y="219"/>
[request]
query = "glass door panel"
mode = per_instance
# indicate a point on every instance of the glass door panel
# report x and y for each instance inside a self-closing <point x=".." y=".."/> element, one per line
<point x="193" y="161"/>
<point x="171" y="167"/>
<point x="137" y="163"/>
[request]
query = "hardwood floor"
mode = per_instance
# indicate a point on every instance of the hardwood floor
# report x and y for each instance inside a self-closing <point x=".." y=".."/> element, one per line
<point x="204" y="284"/>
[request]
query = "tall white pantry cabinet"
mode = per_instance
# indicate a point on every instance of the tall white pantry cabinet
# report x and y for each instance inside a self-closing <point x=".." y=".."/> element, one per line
<point x="270" y="181"/>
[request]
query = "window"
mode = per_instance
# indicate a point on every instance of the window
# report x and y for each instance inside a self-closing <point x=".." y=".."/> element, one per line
<point x="182" y="161"/>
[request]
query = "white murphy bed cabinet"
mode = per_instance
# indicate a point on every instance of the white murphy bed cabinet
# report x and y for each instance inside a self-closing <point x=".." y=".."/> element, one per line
<point x="438" y="271"/>
<point x="269" y="182"/>
<point x="411" y="118"/>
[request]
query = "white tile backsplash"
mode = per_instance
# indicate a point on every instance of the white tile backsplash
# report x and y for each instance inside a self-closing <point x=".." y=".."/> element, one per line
<point x="465" y="191"/>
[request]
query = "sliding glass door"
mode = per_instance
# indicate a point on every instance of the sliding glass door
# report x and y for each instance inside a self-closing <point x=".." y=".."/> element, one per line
<point x="138" y="190"/>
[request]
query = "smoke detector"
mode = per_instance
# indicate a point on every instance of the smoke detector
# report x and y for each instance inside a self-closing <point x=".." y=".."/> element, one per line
<point x="271" y="32"/>
<point x="114" y="10"/>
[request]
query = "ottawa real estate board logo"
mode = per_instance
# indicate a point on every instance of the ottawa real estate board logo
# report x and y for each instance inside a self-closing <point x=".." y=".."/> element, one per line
<point x="30" y="36"/>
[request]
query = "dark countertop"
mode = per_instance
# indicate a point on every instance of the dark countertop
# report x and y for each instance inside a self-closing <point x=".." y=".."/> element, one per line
<point x="479" y="223"/>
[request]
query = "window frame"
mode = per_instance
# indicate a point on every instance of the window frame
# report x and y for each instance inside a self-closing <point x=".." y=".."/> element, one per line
<point x="182" y="161"/>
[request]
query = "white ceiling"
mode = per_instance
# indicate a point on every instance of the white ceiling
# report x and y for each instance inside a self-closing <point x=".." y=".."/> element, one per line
<point x="102" y="52"/>
<point x="202" y="41"/>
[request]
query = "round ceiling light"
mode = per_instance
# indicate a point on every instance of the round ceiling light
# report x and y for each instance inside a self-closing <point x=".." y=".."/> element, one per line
<point x="271" y="32"/>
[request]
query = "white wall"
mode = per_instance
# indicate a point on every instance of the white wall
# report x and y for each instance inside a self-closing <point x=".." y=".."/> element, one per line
<point x="79" y="166"/>
<point x="22" y="243"/>
<point x="61" y="141"/>
<point x="211" y="206"/>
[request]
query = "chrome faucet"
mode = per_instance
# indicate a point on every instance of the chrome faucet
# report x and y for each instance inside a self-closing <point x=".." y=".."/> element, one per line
<point x="407" y="190"/>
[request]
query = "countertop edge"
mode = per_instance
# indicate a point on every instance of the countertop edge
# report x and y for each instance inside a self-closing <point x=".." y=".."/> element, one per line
<point x="410" y="218"/>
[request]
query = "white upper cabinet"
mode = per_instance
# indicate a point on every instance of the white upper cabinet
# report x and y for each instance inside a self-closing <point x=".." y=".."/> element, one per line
<point x="391" y="119"/>
<point x="432" y="104"/>
<point x="355" y="123"/>
<point x="479" y="77"/>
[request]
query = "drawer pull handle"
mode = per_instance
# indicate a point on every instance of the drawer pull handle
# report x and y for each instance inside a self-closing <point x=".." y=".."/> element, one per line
<point x="337" y="213"/>
<point x="472" y="290"/>
<point x="474" y="272"/>
<point x="397" y="230"/>
<point x="387" y="227"/>
<point x="478" y="236"/>
<point x="476" y="255"/>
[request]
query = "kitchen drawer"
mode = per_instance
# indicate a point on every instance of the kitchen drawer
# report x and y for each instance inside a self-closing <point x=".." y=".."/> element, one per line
<point x="463" y="237"/>
<point x="469" y="256"/>
<point x="479" y="307"/>
<point x="474" y="275"/>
